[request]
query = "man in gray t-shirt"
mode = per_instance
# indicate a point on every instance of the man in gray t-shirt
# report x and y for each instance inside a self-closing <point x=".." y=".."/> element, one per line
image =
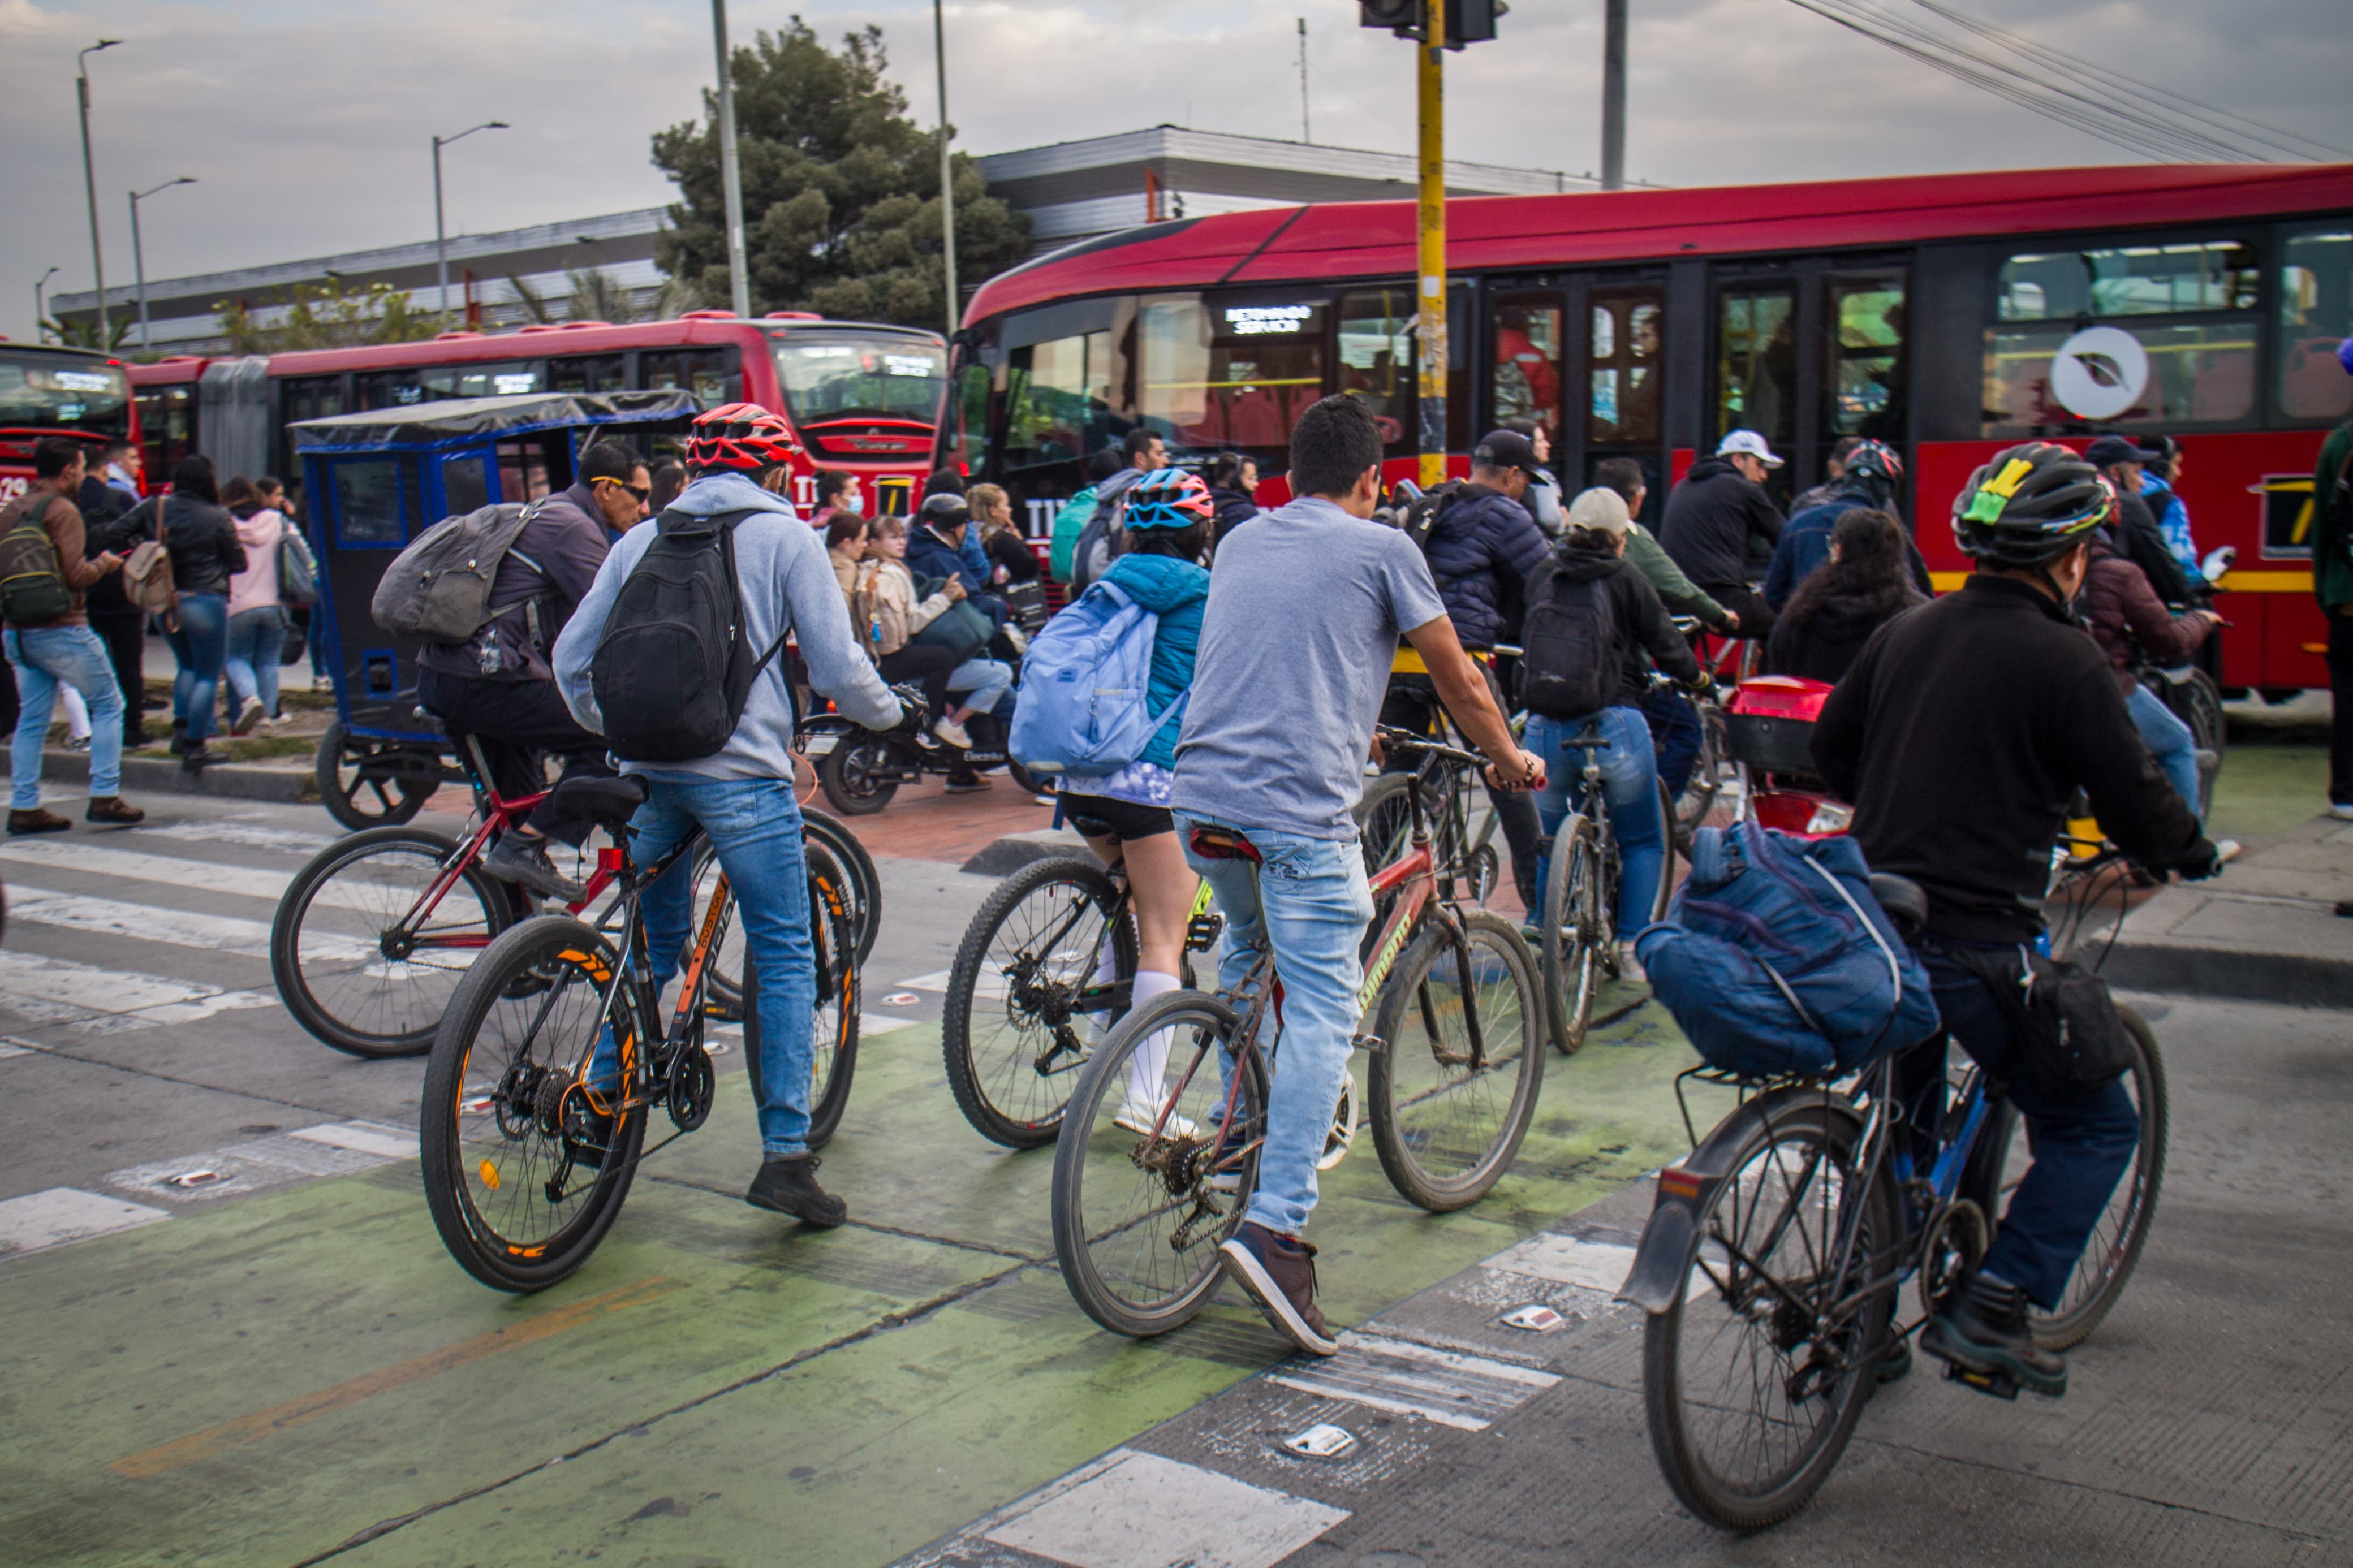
<point x="1306" y="605"/>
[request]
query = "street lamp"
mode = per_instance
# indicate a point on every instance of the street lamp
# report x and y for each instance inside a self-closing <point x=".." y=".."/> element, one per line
<point x="947" y="170"/>
<point x="731" y="173"/>
<point x="89" y="176"/>
<point x="440" y="236"/>
<point x="41" y="306"/>
<point x="139" y="254"/>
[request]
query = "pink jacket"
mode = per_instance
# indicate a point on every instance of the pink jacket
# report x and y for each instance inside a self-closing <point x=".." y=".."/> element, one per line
<point x="257" y="585"/>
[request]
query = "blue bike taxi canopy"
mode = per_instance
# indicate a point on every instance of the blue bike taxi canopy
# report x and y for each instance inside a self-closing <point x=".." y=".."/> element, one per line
<point x="457" y="421"/>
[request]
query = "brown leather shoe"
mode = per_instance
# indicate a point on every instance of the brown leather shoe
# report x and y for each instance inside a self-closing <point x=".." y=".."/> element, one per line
<point x="112" y="808"/>
<point x="40" y="819"/>
<point x="1279" y="1274"/>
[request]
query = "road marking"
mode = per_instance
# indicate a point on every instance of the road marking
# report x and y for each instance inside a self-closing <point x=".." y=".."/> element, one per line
<point x="10" y="1048"/>
<point x="61" y="1215"/>
<point x="1465" y="1392"/>
<point x="179" y="928"/>
<point x="247" y="832"/>
<point x="1568" y="1260"/>
<point x="281" y="1159"/>
<point x="1131" y="1510"/>
<point x="97" y="1001"/>
<point x="176" y="1013"/>
<point x="195" y="876"/>
<point x="362" y="1138"/>
<point x="244" y="1429"/>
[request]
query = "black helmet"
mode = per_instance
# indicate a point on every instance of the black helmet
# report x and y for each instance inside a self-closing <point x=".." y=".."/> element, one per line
<point x="2032" y="504"/>
<point x="945" y="511"/>
<point x="1873" y="469"/>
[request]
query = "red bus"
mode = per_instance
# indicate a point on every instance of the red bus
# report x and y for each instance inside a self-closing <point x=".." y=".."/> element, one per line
<point x="863" y="397"/>
<point x="1947" y="314"/>
<point x="56" y="392"/>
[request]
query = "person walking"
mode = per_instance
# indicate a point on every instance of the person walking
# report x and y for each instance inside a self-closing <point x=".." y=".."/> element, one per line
<point x="114" y="620"/>
<point x="256" y="622"/>
<point x="50" y="650"/>
<point x="1717" y="516"/>
<point x="1864" y="582"/>
<point x="201" y="538"/>
<point x="2332" y="584"/>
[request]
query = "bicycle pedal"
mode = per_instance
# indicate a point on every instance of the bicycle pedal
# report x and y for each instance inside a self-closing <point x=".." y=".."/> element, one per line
<point x="1202" y="932"/>
<point x="2002" y="1385"/>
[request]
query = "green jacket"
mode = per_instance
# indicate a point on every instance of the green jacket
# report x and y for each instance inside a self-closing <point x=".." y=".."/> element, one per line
<point x="2332" y="517"/>
<point x="1679" y="593"/>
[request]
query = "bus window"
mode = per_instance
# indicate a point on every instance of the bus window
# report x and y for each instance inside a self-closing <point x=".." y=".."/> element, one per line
<point x="62" y="392"/>
<point x="1524" y="365"/>
<point x="523" y="471"/>
<point x="968" y="440"/>
<point x="1244" y="367"/>
<point x="167" y="428"/>
<point x="465" y="485"/>
<point x="1621" y="355"/>
<point x="715" y="375"/>
<point x="587" y="373"/>
<point x="1757" y="364"/>
<point x="1058" y="400"/>
<point x="2315" y="314"/>
<point x="1868" y="365"/>
<point x="1377" y="358"/>
<point x="368" y="510"/>
<point x="2131" y="280"/>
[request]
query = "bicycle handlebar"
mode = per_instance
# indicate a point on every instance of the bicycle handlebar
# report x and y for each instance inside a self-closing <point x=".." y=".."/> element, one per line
<point x="1405" y="740"/>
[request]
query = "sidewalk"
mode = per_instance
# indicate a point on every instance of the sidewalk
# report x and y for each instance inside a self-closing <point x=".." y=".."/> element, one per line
<point x="2264" y="931"/>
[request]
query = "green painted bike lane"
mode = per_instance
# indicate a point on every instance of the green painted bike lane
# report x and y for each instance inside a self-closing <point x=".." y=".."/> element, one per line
<point x="306" y="1371"/>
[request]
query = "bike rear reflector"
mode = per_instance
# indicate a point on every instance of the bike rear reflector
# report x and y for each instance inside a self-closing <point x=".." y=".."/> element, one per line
<point x="1675" y="1182"/>
<point x="1829" y="818"/>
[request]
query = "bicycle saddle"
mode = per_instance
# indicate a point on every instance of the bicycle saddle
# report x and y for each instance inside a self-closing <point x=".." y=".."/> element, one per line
<point x="611" y="803"/>
<point x="1223" y="843"/>
<point x="1903" y="900"/>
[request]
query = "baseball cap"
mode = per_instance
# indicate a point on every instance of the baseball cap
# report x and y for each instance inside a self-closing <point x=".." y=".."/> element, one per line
<point x="1507" y="449"/>
<point x="2114" y="449"/>
<point x="1601" y="509"/>
<point x="1750" y="442"/>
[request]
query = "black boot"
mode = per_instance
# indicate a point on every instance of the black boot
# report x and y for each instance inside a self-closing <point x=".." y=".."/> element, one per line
<point x="789" y="1186"/>
<point x="521" y="860"/>
<point x="1986" y="1335"/>
<point x="179" y="736"/>
<point x="195" y="758"/>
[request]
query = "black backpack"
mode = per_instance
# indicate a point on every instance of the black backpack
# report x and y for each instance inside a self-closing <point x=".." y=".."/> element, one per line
<point x="1570" y="667"/>
<point x="33" y="587"/>
<point x="672" y="670"/>
<point x="1421" y="514"/>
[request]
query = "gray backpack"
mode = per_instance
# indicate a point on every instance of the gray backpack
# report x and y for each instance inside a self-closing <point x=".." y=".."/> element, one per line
<point x="438" y="589"/>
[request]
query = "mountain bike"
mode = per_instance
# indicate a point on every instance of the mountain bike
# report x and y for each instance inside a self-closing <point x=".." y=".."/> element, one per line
<point x="1777" y="1249"/>
<point x="1580" y="916"/>
<point x="526" y="1156"/>
<point x="1456" y="1065"/>
<point x="373" y="936"/>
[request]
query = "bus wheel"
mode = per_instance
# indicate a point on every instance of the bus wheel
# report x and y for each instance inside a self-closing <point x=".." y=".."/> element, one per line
<point x="373" y="783"/>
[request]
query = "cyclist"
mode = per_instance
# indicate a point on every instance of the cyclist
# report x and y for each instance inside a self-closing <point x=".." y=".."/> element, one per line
<point x="1870" y="480"/>
<point x="1675" y="723"/>
<point x="742" y="796"/>
<point x="1305" y="611"/>
<point x="1960" y="734"/>
<point x="1124" y="816"/>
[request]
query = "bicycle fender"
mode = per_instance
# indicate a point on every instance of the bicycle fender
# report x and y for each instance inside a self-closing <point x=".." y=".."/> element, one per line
<point x="1664" y="1260"/>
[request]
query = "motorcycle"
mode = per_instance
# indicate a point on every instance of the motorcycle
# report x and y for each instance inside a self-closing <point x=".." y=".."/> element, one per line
<point x="860" y="769"/>
<point x="1769" y="725"/>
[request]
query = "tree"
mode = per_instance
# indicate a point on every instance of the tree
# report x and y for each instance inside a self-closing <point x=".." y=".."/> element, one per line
<point x="328" y="316"/>
<point x="842" y="207"/>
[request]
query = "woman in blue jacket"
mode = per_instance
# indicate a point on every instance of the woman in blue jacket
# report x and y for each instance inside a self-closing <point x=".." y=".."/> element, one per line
<point x="1124" y="815"/>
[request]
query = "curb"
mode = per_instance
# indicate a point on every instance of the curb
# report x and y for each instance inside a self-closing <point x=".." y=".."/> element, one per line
<point x="1015" y="850"/>
<point x="163" y="775"/>
<point x="2285" y="979"/>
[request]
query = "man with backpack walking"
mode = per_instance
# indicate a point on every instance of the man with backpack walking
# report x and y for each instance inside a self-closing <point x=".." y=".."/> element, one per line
<point x="675" y="658"/>
<point x="1305" y="609"/>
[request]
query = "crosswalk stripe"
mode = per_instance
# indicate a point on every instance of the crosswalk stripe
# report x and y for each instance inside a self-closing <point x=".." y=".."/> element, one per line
<point x="245" y="832"/>
<point x="60" y="1214"/>
<point x="178" y="928"/>
<point x="196" y="876"/>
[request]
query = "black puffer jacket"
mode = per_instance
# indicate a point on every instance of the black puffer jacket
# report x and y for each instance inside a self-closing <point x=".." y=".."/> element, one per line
<point x="1234" y="508"/>
<point x="1822" y="644"/>
<point x="200" y="538"/>
<point x="1481" y="550"/>
<point x="1717" y="523"/>
<point x="1641" y="620"/>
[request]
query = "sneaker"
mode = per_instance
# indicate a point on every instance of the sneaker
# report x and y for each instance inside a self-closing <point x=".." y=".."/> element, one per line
<point x="954" y="733"/>
<point x="195" y="758"/>
<point x="967" y="783"/>
<point x="179" y="736"/>
<point x="1985" y="1332"/>
<point x="1629" y="968"/>
<point x="1137" y="1116"/>
<point x="77" y="742"/>
<point x="789" y="1186"/>
<point x="112" y="808"/>
<point x="1279" y="1274"/>
<point x="524" y="862"/>
<point x="321" y="683"/>
<point x="2342" y="810"/>
<point x="247" y="716"/>
<point x="40" y="819"/>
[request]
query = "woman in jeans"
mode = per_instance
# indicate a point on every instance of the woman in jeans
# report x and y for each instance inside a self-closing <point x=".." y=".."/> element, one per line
<point x="201" y="538"/>
<point x="257" y="623"/>
<point x="1591" y="561"/>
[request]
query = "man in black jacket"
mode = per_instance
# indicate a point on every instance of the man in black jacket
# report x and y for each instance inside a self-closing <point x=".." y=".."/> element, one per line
<point x="1961" y="733"/>
<point x="121" y="625"/>
<point x="1718" y="518"/>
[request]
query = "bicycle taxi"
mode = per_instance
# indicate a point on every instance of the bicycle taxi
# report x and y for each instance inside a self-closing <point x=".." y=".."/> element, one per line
<point x="374" y="482"/>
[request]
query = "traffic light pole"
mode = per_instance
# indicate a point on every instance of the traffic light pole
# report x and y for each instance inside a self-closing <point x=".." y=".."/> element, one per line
<point x="1429" y="73"/>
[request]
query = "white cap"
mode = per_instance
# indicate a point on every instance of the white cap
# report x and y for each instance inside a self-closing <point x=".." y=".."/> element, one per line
<point x="1600" y="509"/>
<point x="1750" y="442"/>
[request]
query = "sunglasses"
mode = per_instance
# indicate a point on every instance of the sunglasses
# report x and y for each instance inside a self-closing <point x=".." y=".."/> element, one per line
<point x="640" y="491"/>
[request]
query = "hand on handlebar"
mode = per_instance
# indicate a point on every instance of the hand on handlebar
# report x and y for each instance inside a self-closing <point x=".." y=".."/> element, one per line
<point x="1703" y="686"/>
<point x="1529" y="775"/>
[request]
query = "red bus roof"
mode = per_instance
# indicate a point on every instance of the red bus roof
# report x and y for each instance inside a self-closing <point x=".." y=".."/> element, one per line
<point x="1373" y="239"/>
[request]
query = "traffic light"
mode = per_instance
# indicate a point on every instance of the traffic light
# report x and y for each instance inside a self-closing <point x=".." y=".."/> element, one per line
<point x="1467" y="21"/>
<point x="1400" y="16"/>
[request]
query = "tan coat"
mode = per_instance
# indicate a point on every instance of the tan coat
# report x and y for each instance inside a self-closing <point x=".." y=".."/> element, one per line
<point x="884" y="611"/>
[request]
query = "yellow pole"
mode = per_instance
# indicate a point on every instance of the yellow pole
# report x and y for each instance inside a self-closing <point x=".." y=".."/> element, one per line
<point x="1431" y="79"/>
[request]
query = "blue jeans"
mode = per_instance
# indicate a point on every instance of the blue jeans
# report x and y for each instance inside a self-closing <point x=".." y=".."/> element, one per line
<point x="755" y="826"/>
<point x="1629" y="782"/>
<point x="1310" y="902"/>
<point x="983" y="681"/>
<point x="1674" y="730"/>
<point x="2168" y="740"/>
<point x="254" y="637"/>
<point x="46" y="658"/>
<point x="201" y="644"/>
<point x="2082" y="1141"/>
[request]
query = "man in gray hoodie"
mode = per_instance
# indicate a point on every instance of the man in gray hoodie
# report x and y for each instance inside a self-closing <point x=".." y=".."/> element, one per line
<point x="742" y="795"/>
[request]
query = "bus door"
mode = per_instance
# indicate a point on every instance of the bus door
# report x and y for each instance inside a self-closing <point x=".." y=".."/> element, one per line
<point x="1583" y="355"/>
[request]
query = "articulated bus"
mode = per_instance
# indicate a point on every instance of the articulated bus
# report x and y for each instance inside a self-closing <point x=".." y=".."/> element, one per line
<point x="56" y="392"/>
<point x="1949" y="315"/>
<point x="862" y="397"/>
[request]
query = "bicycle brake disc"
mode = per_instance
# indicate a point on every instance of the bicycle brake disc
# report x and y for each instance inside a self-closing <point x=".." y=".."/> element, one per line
<point x="689" y="1086"/>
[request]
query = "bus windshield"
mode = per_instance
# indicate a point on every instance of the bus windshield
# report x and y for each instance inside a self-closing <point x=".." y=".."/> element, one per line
<point x="62" y="392"/>
<point x="847" y="377"/>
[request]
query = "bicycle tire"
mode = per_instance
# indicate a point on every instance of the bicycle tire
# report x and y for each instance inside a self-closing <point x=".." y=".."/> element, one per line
<point x="1710" y="773"/>
<point x="395" y="1009"/>
<point x="1571" y="918"/>
<point x="863" y="883"/>
<point x="535" y="970"/>
<point x="2197" y="704"/>
<point x="1418" y="1120"/>
<point x="833" y="1034"/>
<point x="987" y="1071"/>
<point x="1688" y="1458"/>
<point x="1106" y="1230"/>
<point x="1667" y="849"/>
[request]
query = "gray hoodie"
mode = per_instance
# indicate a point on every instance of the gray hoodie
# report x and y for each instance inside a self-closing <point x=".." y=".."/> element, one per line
<point x="788" y="585"/>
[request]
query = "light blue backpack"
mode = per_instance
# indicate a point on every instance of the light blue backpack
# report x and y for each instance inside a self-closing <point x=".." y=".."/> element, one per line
<point x="1086" y="689"/>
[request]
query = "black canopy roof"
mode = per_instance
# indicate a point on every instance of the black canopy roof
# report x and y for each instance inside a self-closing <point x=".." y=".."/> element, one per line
<point x="464" y="419"/>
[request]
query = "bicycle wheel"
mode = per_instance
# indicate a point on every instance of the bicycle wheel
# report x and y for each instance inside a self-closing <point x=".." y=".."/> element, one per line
<point x="722" y="990"/>
<point x="1754" y="1376"/>
<point x="2113" y="1249"/>
<point x="1138" y="1217"/>
<point x="863" y="882"/>
<point x="1667" y="849"/>
<point x="521" y="1175"/>
<point x="1026" y="995"/>
<point x="348" y="964"/>
<point x="1572" y="923"/>
<point x="2197" y="703"/>
<point x="1715" y="781"/>
<point x="1447" y="1119"/>
<point x="833" y="1028"/>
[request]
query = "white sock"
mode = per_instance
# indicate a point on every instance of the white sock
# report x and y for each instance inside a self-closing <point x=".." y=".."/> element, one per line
<point x="1106" y="972"/>
<point x="77" y="713"/>
<point x="1151" y="1059"/>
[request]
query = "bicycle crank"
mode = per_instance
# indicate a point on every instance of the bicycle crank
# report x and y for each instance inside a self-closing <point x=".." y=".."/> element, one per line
<point x="689" y="1086"/>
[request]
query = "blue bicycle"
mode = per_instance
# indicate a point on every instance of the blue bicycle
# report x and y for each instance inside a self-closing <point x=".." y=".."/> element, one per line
<point x="1775" y="1252"/>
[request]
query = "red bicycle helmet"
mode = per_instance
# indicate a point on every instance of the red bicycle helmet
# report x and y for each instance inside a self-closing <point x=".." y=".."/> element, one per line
<point x="1169" y="498"/>
<point x="739" y="437"/>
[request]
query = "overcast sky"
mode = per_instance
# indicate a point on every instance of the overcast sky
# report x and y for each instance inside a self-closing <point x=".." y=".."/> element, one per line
<point x="307" y="124"/>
